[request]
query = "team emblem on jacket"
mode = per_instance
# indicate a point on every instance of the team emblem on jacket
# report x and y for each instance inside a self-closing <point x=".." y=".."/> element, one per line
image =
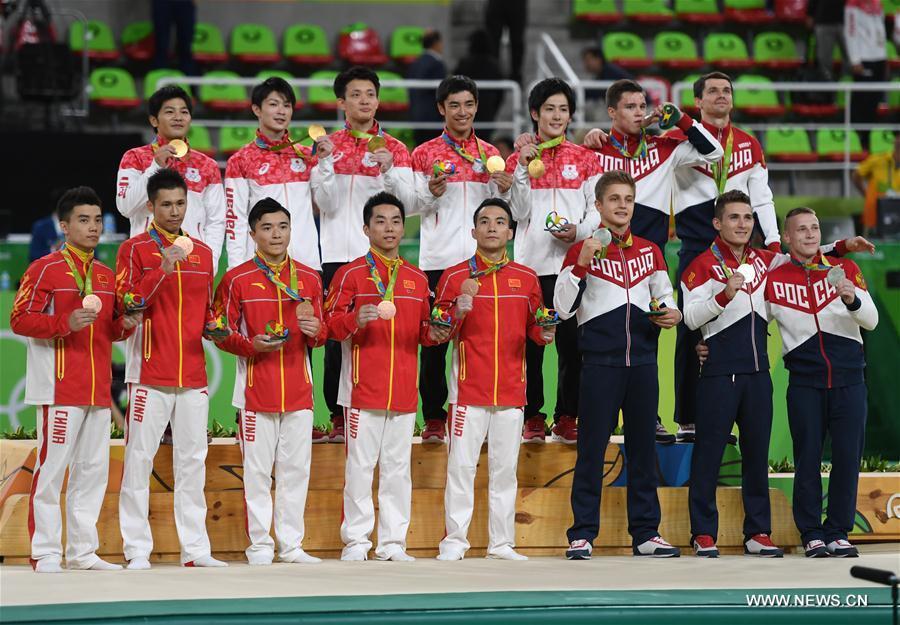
<point x="263" y="169"/>
<point x="297" y="165"/>
<point x="478" y="167"/>
<point x="192" y="174"/>
<point x="368" y="160"/>
<point x="569" y="172"/>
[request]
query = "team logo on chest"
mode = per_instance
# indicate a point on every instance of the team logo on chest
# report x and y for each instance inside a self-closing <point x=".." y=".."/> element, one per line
<point x="808" y="299"/>
<point x="192" y="174"/>
<point x="368" y="160"/>
<point x="637" y="268"/>
<point x="264" y="168"/>
<point x="570" y="171"/>
<point x="297" y="165"/>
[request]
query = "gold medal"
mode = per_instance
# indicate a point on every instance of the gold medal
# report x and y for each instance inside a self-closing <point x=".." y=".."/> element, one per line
<point x="180" y="147"/>
<point x="386" y="309"/>
<point x="184" y="243"/>
<point x="469" y="287"/>
<point x="92" y="302"/>
<point x="316" y="132"/>
<point x="376" y="143"/>
<point x="495" y="164"/>
<point x="305" y="309"/>
<point x="536" y="168"/>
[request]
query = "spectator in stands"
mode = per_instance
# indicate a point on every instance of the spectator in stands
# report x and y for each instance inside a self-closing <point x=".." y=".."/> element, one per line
<point x="513" y="16"/>
<point x="480" y="64"/>
<point x="826" y="18"/>
<point x="183" y="15"/>
<point x="429" y="66"/>
<point x="864" y="34"/>
<point x="46" y="237"/>
<point x="876" y="177"/>
<point x="600" y="69"/>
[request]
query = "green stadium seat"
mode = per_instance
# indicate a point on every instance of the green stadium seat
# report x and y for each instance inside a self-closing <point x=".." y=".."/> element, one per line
<point x="698" y="11"/>
<point x="199" y="139"/>
<point x="892" y="106"/>
<point x="392" y="99"/>
<point x="757" y="102"/>
<point x="233" y="138"/>
<point x="648" y="11"/>
<point x="748" y="11"/>
<point x="208" y="45"/>
<point x="890" y="6"/>
<point x="138" y="43"/>
<point x="837" y="58"/>
<point x="254" y="44"/>
<point x="726" y="51"/>
<point x="830" y="145"/>
<point x="406" y="43"/>
<point x="687" y="96"/>
<point x="596" y="11"/>
<point x="789" y="145"/>
<point x="300" y="133"/>
<point x="113" y="88"/>
<point x="405" y="135"/>
<point x="151" y="80"/>
<point x="306" y="44"/>
<point x="775" y="51"/>
<point x="322" y="97"/>
<point x="881" y="141"/>
<point x="625" y="49"/>
<point x="676" y="50"/>
<point x="269" y="73"/>
<point x="101" y="45"/>
<point x="223" y="97"/>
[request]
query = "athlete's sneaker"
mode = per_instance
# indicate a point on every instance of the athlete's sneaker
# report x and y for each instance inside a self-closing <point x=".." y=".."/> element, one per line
<point x="761" y="545"/>
<point x="686" y="433"/>
<point x="435" y="431"/>
<point x="705" y="546"/>
<point x="841" y="548"/>
<point x="337" y="431"/>
<point x="579" y="550"/>
<point x="319" y="435"/>
<point x="656" y="547"/>
<point x="565" y="430"/>
<point x="662" y="434"/>
<point x="816" y="549"/>
<point x="533" y="430"/>
<point x="506" y="553"/>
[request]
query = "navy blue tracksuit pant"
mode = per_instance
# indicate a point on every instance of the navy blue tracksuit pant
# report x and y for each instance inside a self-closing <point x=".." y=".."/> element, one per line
<point x="604" y="391"/>
<point x="813" y="412"/>
<point x="723" y="400"/>
<point x="687" y="365"/>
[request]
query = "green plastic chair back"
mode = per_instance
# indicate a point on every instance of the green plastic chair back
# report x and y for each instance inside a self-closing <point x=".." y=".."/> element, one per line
<point x="744" y="98"/>
<point x="594" y="8"/>
<point x="208" y="44"/>
<point x="233" y="94"/>
<point x="306" y="41"/>
<point x="393" y="98"/>
<point x="841" y="97"/>
<point x="894" y="97"/>
<point x="270" y="73"/>
<point x="323" y="96"/>
<point x="745" y="4"/>
<point x="136" y="32"/>
<point x="687" y="96"/>
<point x="151" y="80"/>
<point x="724" y="47"/>
<point x="775" y="47"/>
<point x="696" y="6"/>
<point x="787" y="141"/>
<point x="404" y="135"/>
<point x="890" y="6"/>
<point x="406" y="43"/>
<point x="233" y="138"/>
<point x="830" y="142"/>
<point x="254" y="41"/>
<point x="100" y="40"/>
<point x="891" y="51"/>
<point x="618" y="47"/>
<point x="113" y="86"/>
<point x="198" y="137"/>
<point x="656" y="8"/>
<point x="881" y="141"/>
<point x="674" y="46"/>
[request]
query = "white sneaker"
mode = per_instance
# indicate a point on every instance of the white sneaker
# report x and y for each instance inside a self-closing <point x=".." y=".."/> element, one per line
<point x="206" y="562"/>
<point x="47" y="566"/>
<point x="397" y="556"/>
<point x="579" y="550"/>
<point x="506" y="553"/>
<point x="298" y="556"/>
<point x="101" y="565"/>
<point x="449" y="556"/>
<point x="138" y="564"/>
<point x="259" y="560"/>
<point x="841" y="548"/>
<point x="816" y="549"/>
<point x="656" y="547"/>
<point x="354" y="555"/>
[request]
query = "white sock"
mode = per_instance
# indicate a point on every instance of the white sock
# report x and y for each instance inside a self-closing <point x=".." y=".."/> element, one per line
<point x="138" y="564"/>
<point x="208" y="562"/>
<point x="507" y="553"/>
<point x="47" y="566"/>
<point x="259" y="562"/>
<point x="301" y="557"/>
<point x="401" y="556"/>
<point x="103" y="565"/>
<point x="448" y="556"/>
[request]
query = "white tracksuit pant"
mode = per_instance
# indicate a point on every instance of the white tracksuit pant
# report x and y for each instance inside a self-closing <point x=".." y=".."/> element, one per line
<point x="468" y="426"/>
<point x="149" y="410"/>
<point x="77" y="438"/>
<point x="384" y="438"/>
<point x="281" y="439"/>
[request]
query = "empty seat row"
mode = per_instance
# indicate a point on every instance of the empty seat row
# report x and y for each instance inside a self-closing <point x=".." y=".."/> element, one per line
<point x="793" y="145"/>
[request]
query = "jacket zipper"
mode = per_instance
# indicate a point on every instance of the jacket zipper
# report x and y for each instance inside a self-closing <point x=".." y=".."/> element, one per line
<point x="627" y="309"/>
<point x="818" y="330"/>
<point x="753" y="330"/>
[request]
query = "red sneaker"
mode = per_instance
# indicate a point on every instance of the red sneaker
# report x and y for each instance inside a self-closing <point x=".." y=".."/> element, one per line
<point x="533" y="431"/>
<point x="319" y="435"/>
<point x="435" y="431"/>
<point x="565" y="430"/>
<point x="705" y="546"/>
<point x="337" y="431"/>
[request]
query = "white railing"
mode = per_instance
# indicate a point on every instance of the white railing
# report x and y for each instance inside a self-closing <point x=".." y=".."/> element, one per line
<point x="549" y="51"/>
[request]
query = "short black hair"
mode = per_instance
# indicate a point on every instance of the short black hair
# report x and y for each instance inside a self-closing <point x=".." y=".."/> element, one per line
<point x="494" y="201"/>
<point x="164" y="179"/>
<point x="455" y="84"/>
<point x="357" y="72"/>
<point x="620" y="88"/>
<point x="730" y="197"/>
<point x="76" y="196"/>
<point x="163" y="95"/>
<point x="800" y="210"/>
<point x="264" y="207"/>
<point x="545" y="89"/>
<point x="382" y="197"/>
<point x="700" y="83"/>
<point x="274" y="83"/>
<point x="430" y="38"/>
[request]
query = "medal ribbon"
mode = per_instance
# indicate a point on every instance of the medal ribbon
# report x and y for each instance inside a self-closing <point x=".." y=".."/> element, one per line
<point x="822" y="265"/>
<point x="288" y="143"/>
<point x="85" y="286"/>
<point x="476" y="273"/>
<point x="290" y="291"/>
<point x="714" y="248"/>
<point x="393" y="267"/>
<point x="546" y="145"/>
<point x="462" y="152"/>
<point x="640" y="151"/>
<point x="720" y="169"/>
<point x="359" y="134"/>
<point x="155" y="235"/>
<point x="622" y="242"/>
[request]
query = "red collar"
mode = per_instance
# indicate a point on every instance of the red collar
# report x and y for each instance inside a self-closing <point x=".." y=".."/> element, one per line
<point x="727" y="253"/>
<point x="718" y="133"/>
<point x="285" y="137"/>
